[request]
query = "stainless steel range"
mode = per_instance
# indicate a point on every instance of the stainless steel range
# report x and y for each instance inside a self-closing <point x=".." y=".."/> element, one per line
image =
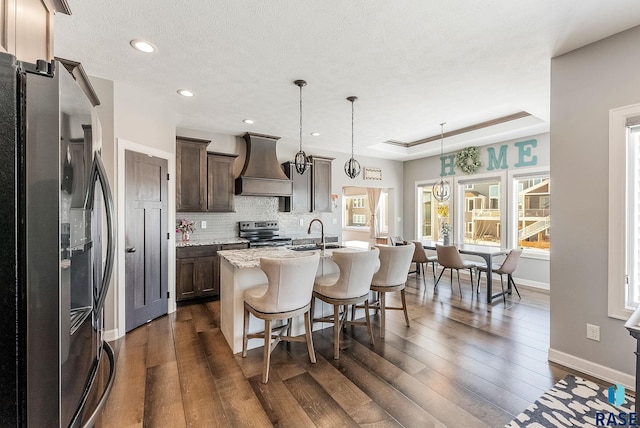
<point x="263" y="234"/>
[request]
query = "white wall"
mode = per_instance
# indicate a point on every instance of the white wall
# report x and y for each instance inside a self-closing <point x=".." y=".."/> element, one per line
<point x="533" y="272"/>
<point x="132" y="117"/>
<point x="585" y="85"/>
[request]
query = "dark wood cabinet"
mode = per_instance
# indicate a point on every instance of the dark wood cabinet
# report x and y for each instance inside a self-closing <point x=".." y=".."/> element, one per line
<point x="220" y="182"/>
<point x="198" y="270"/>
<point x="320" y="184"/>
<point x="191" y="174"/>
<point x="204" y="180"/>
<point x="300" y="199"/>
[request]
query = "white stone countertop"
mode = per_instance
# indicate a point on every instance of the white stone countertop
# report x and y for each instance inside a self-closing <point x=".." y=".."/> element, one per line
<point x="250" y="258"/>
<point x="214" y="241"/>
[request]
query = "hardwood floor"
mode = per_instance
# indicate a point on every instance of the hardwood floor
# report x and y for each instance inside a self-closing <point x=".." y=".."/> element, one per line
<point x="458" y="365"/>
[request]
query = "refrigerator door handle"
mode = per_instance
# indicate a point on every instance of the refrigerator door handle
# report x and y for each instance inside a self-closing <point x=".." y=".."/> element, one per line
<point x="98" y="173"/>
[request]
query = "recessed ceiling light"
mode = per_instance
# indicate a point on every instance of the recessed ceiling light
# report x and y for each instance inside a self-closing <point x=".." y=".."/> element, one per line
<point x="249" y="121"/>
<point x="185" y="93"/>
<point x="143" y="46"/>
<point x="315" y="134"/>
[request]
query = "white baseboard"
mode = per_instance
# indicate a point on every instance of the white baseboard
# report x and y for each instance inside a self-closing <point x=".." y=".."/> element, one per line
<point x="111" y="335"/>
<point x="593" y="369"/>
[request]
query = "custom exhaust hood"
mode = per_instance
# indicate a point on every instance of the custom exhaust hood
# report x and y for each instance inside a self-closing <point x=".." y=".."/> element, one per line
<point x="262" y="174"/>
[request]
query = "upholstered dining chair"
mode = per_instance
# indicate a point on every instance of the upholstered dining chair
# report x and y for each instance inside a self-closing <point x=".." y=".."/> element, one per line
<point x="349" y="287"/>
<point x="287" y="294"/>
<point x="396" y="240"/>
<point x="508" y="266"/>
<point x="449" y="258"/>
<point x="420" y="258"/>
<point x="392" y="276"/>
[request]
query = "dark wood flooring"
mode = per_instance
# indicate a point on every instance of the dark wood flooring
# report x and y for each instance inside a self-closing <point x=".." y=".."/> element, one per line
<point x="458" y="365"/>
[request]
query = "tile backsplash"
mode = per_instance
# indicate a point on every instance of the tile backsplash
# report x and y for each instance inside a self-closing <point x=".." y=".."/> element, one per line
<point x="257" y="208"/>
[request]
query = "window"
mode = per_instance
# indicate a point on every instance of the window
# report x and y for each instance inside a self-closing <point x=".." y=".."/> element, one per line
<point x="431" y="213"/>
<point x="534" y="213"/>
<point x="624" y="203"/>
<point x="359" y="220"/>
<point x="482" y="214"/>
<point x="356" y="212"/>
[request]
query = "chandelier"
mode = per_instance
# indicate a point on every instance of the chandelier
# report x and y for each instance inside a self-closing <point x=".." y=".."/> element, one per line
<point x="300" y="160"/>
<point x="352" y="166"/>
<point x="442" y="189"/>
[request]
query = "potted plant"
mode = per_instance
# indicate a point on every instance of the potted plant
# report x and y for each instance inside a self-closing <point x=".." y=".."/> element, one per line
<point x="185" y="226"/>
<point x="445" y="230"/>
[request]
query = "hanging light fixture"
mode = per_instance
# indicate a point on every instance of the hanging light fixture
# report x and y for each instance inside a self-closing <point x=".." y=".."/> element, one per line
<point x="442" y="189"/>
<point x="300" y="160"/>
<point x="352" y="166"/>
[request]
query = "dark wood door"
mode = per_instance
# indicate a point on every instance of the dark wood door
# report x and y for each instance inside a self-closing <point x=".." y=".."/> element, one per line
<point x="207" y="272"/>
<point x="145" y="238"/>
<point x="300" y="199"/>
<point x="187" y="279"/>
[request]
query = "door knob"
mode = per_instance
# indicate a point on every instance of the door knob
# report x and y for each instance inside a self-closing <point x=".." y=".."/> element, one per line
<point x="131" y="250"/>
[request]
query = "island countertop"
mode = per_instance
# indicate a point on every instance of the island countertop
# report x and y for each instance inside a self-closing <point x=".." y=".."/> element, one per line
<point x="250" y="258"/>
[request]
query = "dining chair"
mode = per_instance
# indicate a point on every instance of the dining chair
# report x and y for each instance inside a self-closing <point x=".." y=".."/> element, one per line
<point x="349" y="287"/>
<point x="420" y="258"/>
<point x="392" y="276"/>
<point x="449" y="258"/>
<point x="508" y="266"/>
<point x="396" y="240"/>
<point x="287" y="294"/>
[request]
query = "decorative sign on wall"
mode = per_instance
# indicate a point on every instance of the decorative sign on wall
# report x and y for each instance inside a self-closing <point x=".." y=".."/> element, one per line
<point x="372" y="173"/>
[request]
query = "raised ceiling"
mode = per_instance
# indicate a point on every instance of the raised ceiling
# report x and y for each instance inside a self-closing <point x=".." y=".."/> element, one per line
<point x="412" y="64"/>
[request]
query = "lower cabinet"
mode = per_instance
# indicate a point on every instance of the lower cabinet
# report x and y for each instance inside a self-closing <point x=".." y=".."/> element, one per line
<point x="198" y="270"/>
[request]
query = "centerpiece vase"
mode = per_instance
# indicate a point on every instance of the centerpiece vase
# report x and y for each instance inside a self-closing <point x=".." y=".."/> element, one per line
<point x="185" y="236"/>
<point x="445" y="240"/>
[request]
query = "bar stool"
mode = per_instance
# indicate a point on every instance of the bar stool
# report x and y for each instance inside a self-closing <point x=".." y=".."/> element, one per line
<point x="349" y="287"/>
<point x="287" y="294"/>
<point x="392" y="276"/>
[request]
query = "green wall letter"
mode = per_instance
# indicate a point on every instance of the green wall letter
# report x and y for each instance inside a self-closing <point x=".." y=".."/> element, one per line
<point x="447" y="162"/>
<point x="499" y="162"/>
<point x="524" y="149"/>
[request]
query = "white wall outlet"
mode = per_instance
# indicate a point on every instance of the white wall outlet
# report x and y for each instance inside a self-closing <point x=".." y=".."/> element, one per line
<point x="203" y="224"/>
<point x="301" y="222"/>
<point x="593" y="332"/>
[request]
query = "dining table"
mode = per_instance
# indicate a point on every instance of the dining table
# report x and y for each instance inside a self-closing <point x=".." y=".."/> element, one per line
<point x="484" y="251"/>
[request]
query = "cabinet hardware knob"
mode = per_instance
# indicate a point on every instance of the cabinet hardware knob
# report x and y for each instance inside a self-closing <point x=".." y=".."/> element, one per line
<point x="131" y="250"/>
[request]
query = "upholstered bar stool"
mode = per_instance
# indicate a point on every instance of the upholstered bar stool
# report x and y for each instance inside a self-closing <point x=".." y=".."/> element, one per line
<point x="287" y="294"/>
<point x="392" y="276"/>
<point x="349" y="287"/>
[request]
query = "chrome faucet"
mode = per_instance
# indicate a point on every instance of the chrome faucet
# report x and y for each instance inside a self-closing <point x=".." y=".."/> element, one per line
<point x="322" y="245"/>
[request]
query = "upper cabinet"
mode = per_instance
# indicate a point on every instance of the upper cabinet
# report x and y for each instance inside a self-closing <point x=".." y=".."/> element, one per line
<point x="311" y="190"/>
<point x="204" y="180"/>
<point x="300" y="199"/>
<point x="26" y="28"/>
<point x="321" y="183"/>
<point x="220" y="182"/>
<point x="191" y="174"/>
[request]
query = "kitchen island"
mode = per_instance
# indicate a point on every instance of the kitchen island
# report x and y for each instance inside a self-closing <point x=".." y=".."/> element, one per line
<point x="240" y="270"/>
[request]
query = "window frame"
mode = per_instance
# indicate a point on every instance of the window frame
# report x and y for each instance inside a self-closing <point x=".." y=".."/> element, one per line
<point x="617" y="227"/>
<point x="512" y="200"/>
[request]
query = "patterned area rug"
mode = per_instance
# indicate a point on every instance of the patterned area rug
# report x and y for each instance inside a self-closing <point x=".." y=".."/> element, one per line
<point x="572" y="402"/>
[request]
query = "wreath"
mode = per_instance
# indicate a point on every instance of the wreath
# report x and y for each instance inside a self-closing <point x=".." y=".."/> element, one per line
<point x="468" y="160"/>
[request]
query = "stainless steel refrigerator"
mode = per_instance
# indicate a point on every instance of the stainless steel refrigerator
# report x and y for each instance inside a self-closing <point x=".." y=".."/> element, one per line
<point x="56" y="249"/>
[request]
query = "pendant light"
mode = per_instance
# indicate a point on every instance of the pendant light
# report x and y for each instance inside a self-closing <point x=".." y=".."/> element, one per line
<point x="300" y="160"/>
<point x="442" y="189"/>
<point x="352" y="166"/>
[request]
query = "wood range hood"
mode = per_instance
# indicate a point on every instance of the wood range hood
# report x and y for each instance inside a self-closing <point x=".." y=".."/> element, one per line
<point x="262" y="174"/>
